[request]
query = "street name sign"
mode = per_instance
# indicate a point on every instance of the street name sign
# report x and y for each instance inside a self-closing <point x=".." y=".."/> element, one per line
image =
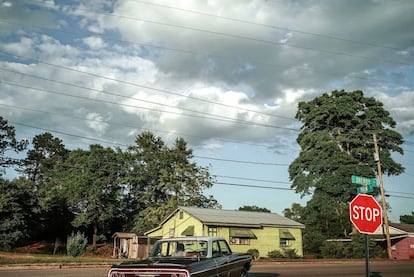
<point x="359" y="180"/>
<point x="365" y="213"/>
<point x="365" y="189"/>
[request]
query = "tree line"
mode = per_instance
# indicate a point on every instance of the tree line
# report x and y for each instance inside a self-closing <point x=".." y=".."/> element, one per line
<point x="99" y="190"/>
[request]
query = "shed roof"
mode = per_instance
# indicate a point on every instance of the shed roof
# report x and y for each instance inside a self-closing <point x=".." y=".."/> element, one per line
<point x="237" y="218"/>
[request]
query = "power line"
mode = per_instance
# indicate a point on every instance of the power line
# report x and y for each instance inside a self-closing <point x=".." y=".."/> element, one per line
<point x="194" y="53"/>
<point x="253" y="179"/>
<point x="239" y="161"/>
<point x="274" y="26"/>
<point x="234" y="36"/>
<point x="118" y="95"/>
<point x="289" y="189"/>
<point x="126" y="125"/>
<point x="137" y="85"/>
<point x="157" y="110"/>
<point x="109" y="142"/>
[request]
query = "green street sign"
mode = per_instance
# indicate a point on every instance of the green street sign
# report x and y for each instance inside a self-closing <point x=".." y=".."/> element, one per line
<point x="365" y="189"/>
<point x="363" y="181"/>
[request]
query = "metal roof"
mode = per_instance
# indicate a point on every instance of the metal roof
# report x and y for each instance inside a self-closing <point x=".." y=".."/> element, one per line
<point x="237" y="218"/>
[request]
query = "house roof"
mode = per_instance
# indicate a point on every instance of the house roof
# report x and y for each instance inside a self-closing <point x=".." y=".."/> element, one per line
<point x="409" y="228"/>
<point x="237" y="218"/>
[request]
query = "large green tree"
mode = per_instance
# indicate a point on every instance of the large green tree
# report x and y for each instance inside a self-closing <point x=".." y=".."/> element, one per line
<point x="90" y="183"/>
<point x="407" y="218"/>
<point x="336" y="141"/>
<point x="161" y="178"/>
<point x="18" y="206"/>
<point x="8" y="142"/>
<point x="46" y="153"/>
<point x="39" y="165"/>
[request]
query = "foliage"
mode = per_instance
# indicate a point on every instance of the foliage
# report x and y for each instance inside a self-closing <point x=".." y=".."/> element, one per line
<point x="275" y="254"/>
<point x="295" y="212"/>
<point x="254" y="253"/>
<point x="353" y="249"/>
<point x="333" y="250"/>
<point x="98" y="190"/>
<point x="8" y="142"/>
<point x="90" y="182"/>
<point x="161" y="179"/>
<point x="336" y="141"/>
<point x="39" y="166"/>
<point x="76" y="244"/>
<point x="18" y="209"/>
<point x="408" y="219"/>
<point x="286" y="253"/>
<point x="290" y="253"/>
<point x="254" y="209"/>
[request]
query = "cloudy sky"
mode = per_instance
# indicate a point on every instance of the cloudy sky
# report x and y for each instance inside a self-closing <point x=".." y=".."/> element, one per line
<point x="225" y="75"/>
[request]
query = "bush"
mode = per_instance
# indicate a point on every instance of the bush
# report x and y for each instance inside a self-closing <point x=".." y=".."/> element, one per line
<point x="333" y="250"/>
<point x="285" y="253"/>
<point x="254" y="253"/>
<point x="76" y="244"/>
<point x="275" y="254"/>
<point x="290" y="253"/>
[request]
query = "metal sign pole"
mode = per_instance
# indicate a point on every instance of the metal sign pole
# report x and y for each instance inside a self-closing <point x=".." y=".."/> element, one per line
<point x="367" y="273"/>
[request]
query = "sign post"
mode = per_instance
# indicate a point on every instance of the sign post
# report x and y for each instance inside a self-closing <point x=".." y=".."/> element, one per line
<point x="366" y="215"/>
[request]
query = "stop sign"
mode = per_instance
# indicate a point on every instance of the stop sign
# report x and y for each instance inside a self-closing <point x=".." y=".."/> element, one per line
<point x="365" y="213"/>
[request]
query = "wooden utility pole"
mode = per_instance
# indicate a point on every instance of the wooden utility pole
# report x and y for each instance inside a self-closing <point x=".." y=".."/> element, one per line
<point x="384" y="206"/>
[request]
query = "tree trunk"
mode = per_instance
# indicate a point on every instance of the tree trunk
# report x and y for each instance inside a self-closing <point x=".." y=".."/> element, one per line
<point x="95" y="234"/>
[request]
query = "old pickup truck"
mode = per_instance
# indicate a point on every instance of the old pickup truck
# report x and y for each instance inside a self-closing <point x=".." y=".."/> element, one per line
<point x="185" y="257"/>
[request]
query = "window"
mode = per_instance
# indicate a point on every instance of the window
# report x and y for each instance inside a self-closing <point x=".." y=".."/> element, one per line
<point x="171" y="232"/>
<point x="239" y="241"/>
<point x="181" y="215"/>
<point x="224" y="248"/>
<point x="213" y="231"/>
<point x="284" y="242"/>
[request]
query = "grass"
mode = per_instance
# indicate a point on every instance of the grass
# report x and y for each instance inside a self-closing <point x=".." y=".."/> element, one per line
<point x="8" y="258"/>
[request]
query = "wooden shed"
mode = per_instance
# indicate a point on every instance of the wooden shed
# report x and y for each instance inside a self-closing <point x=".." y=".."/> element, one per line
<point x="132" y="246"/>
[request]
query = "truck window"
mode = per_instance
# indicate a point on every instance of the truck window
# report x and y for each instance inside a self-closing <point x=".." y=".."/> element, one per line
<point x="224" y="248"/>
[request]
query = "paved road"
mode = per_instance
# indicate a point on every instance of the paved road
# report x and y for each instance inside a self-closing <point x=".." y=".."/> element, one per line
<point x="292" y="269"/>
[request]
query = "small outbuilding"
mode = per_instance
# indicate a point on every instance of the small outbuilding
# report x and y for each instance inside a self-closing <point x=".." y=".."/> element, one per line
<point x="402" y="240"/>
<point x="131" y="245"/>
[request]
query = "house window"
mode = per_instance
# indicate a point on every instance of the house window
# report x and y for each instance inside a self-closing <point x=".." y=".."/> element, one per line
<point x="284" y="242"/>
<point x="239" y="241"/>
<point x="181" y="215"/>
<point x="171" y="232"/>
<point x="213" y="231"/>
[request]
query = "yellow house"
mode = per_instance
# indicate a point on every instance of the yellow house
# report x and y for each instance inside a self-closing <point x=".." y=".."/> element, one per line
<point x="243" y="230"/>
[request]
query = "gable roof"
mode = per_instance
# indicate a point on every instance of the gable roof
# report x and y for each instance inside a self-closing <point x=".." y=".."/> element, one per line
<point x="238" y="218"/>
<point x="408" y="228"/>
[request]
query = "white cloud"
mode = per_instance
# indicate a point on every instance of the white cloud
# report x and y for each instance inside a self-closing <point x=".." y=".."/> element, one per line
<point x="94" y="42"/>
<point x="96" y="122"/>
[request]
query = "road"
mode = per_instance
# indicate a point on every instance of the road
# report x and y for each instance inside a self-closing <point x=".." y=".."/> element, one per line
<point x="291" y="269"/>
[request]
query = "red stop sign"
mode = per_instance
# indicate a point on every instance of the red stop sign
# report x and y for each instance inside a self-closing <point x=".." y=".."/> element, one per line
<point x="365" y="213"/>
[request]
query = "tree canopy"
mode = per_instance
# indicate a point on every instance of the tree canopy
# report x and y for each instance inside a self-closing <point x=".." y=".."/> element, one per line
<point x="8" y="142"/>
<point x="336" y="141"/>
<point x="100" y="190"/>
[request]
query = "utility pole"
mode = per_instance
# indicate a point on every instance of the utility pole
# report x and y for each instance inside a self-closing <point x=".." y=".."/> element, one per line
<point x="384" y="206"/>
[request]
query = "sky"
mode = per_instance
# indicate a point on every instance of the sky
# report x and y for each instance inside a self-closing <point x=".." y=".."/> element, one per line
<point x="226" y="76"/>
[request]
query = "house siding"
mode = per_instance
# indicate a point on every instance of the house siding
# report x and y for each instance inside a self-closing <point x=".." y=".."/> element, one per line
<point x="404" y="249"/>
<point x="267" y="236"/>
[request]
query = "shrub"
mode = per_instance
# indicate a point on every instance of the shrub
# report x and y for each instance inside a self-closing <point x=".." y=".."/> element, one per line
<point x="254" y="253"/>
<point x="275" y="254"/>
<point x="285" y="253"/>
<point x="76" y="244"/>
<point x="290" y="253"/>
<point x="333" y="250"/>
